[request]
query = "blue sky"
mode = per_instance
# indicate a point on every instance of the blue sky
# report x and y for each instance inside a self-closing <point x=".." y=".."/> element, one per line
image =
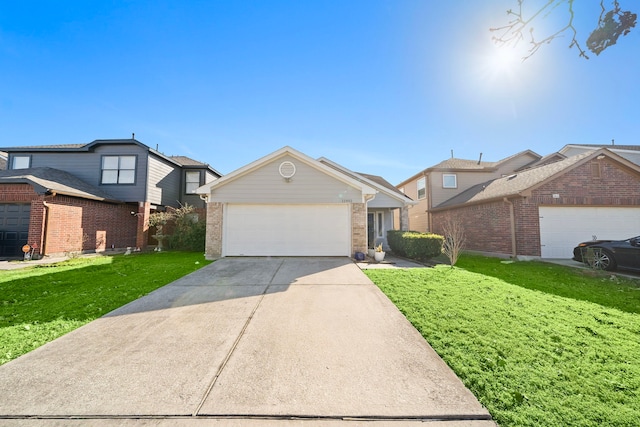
<point x="383" y="87"/>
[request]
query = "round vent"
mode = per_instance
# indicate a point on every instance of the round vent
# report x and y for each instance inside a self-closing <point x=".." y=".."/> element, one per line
<point x="287" y="170"/>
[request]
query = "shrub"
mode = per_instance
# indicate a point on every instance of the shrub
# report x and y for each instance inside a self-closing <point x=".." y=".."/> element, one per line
<point x="415" y="245"/>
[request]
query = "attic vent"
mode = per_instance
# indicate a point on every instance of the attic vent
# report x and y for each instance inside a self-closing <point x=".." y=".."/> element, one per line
<point x="287" y="170"/>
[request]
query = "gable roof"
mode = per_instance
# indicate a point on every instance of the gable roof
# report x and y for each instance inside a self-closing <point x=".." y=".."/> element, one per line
<point x="48" y="180"/>
<point x="596" y="146"/>
<point x="459" y="165"/>
<point x="520" y="183"/>
<point x="341" y="176"/>
<point x="375" y="181"/>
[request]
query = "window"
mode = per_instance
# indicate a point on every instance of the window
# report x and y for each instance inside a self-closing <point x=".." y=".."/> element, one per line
<point x="595" y="170"/>
<point x="380" y="225"/>
<point x="192" y="181"/>
<point x="118" y="170"/>
<point x="422" y="188"/>
<point x="449" y="180"/>
<point x="20" y="162"/>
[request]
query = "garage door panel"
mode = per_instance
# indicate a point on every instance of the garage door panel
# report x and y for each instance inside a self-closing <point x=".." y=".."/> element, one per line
<point x="286" y="230"/>
<point x="14" y="228"/>
<point x="562" y="228"/>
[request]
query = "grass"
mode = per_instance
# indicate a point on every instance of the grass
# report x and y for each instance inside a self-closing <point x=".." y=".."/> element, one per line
<point x="538" y="344"/>
<point x="41" y="303"/>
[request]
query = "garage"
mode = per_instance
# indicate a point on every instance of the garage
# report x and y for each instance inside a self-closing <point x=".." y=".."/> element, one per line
<point x="287" y="230"/>
<point x="562" y="228"/>
<point x="14" y="228"/>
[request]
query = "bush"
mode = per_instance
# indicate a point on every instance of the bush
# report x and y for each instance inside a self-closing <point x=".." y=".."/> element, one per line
<point x="415" y="245"/>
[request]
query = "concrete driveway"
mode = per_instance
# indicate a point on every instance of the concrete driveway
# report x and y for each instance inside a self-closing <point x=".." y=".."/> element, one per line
<point x="243" y="341"/>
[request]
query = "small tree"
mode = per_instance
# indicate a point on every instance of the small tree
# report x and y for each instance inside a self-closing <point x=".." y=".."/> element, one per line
<point x="189" y="232"/>
<point x="159" y="220"/>
<point x="454" y="238"/>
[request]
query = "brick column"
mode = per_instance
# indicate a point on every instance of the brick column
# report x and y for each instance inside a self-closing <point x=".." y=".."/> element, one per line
<point x="214" y="231"/>
<point x="142" y="233"/>
<point x="404" y="218"/>
<point x="358" y="228"/>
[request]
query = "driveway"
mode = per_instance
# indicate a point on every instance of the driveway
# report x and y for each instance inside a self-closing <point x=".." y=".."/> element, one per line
<point x="243" y="341"/>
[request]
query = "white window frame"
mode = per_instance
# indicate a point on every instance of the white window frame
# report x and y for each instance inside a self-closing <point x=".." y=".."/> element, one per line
<point x="120" y="172"/>
<point x="18" y="162"/>
<point x="422" y="182"/>
<point x="190" y="186"/>
<point x="449" y="175"/>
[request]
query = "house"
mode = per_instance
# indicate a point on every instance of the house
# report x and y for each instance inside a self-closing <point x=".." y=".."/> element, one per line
<point x="289" y="204"/>
<point x="443" y="181"/>
<point x="545" y="211"/>
<point x="91" y="197"/>
<point x="629" y="152"/>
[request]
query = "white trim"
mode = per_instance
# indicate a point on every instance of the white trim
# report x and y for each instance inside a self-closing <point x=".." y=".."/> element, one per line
<point x="364" y="188"/>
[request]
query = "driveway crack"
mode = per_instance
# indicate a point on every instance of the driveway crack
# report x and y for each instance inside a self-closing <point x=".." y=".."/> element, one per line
<point x="235" y="344"/>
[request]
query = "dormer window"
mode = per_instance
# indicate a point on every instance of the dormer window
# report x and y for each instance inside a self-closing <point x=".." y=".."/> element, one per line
<point x="20" y="162"/>
<point x="449" y="180"/>
<point x="118" y="170"/>
<point x="192" y="181"/>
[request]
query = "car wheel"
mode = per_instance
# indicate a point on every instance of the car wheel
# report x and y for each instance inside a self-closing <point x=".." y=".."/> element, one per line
<point x="603" y="259"/>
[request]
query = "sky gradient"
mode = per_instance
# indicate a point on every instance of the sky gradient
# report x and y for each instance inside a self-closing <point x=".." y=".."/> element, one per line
<point x="381" y="87"/>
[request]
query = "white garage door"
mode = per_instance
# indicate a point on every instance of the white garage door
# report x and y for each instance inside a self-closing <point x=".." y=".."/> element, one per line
<point x="287" y="230"/>
<point x="562" y="228"/>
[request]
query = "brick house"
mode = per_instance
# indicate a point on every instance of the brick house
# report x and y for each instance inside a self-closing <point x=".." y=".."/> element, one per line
<point x="545" y="211"/>
<point x="440" y="182"/>
<point x="91" y="197"/>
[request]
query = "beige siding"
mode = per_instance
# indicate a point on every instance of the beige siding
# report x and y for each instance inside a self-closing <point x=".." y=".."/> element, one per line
<point x="383" y="201"/>
<point x="507" y="167"/>
<point x="465" y="180"/>
<point x="265" y="185"/>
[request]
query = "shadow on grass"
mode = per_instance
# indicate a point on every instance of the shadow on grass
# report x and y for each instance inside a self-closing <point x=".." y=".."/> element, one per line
<point x="598" y="287"/>
<point x="86" y="289"/>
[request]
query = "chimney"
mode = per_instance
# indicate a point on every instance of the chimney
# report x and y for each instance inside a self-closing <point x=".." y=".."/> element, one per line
<point x="480" y="159"/>
<point x="133" y="135"/>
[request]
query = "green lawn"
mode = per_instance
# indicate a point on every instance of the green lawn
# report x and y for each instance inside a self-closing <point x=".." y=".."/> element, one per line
<point x="538" y="344"/>
<point x="41" y="303"/>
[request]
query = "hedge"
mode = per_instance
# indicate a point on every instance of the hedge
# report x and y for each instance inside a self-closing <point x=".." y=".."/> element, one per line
<point x="415" y="245"/>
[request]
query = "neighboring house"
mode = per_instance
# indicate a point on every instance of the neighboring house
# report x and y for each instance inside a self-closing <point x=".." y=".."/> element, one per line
<point x="95" y="196"/>
<point x="443" y="181"/>
<point x="546" y="211"/>
<point x="629" y="152"/>
<point x="289" y="204"/>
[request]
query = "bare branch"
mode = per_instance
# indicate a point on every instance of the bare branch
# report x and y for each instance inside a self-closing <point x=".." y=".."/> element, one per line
<point x="611" y="25"/>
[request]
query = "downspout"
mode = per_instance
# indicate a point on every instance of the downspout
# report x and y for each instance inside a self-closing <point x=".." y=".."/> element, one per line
<point x="512" y="220"/>
<point x="367" y="198"/>
<point x="427" y="182"/>
<point x="45" y="229"/>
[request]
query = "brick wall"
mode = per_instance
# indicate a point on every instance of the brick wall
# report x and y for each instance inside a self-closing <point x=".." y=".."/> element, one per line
<point x="60" y="224"/>
<point x="75" y="224"/>
<point x="358" y="228"/>
<point x="214" y="230"/>
<point x="488" y="228"/>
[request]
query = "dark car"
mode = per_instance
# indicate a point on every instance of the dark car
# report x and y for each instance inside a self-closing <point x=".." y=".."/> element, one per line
<point x="610" y="254"/>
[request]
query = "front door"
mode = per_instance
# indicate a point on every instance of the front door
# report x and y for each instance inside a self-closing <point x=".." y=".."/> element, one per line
<point x="371" y="230"/>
